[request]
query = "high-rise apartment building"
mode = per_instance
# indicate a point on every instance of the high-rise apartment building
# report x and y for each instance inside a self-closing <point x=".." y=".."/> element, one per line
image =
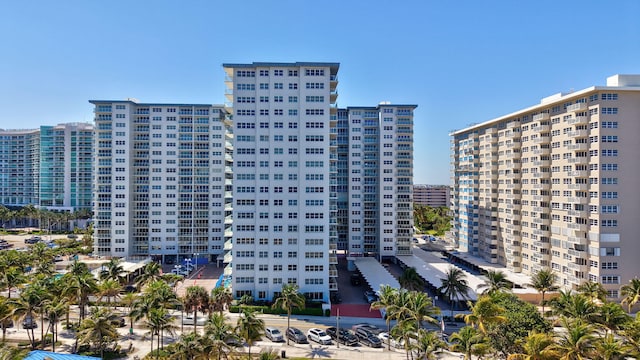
<point x="554" y="186"/>
<point x="66" y="166"/>
<point x="161" y="179"/>
<point x="380" y="180"/>
<point x="431" y="195"/>
<point x="284" y="155"/>
<point x="49" y="167"/>
<point x="310" y="179"/>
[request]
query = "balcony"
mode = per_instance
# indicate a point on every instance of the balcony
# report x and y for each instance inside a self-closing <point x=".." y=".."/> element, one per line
<point x="513" y="145"/>
<point x="578" y="120"/>
<point x="227" y="258"/>
<point x="578" y="173"/>
<point x="578" y="147"/>
<point x="577" y="240"/>
<point x="578" y="200"/>
<point x="578" y="227"/>
<point x="578" y="267"/>
<point x="542" y="151"/>
<point x="542" y="163"/>
<point x="540" y="128"/>
<point x="540" y="117"/>
<point x="579" y="160"/>
<point x="577" y="107"/>
<point x="578" y="186"/>
<point x="578" y="133"/>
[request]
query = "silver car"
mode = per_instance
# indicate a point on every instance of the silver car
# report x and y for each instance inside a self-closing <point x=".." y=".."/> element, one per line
<point x="273" y="334"/>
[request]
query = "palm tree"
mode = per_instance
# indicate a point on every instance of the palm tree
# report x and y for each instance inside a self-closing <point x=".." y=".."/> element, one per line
<point x="576" y="306"/>
<point x="422" y="309"/>
<point x="593" y="291"/>
<point x="268" y="354"/>
<point x="218" y="331"/>
<point x="631" y="292"/>
<point x="55" y="310"/>
<point x="98" y="329"/>
<point x="543" y="281"/>
<point x="428" y="344"/>
<point x="85" y="285"/>
<point x="288" y="299"/>
<point x="158" y="321"/>
<point x="387" y="300"/>
<point x="454" y="286"/>
<point x="537" y="346"/>
<point x="610" y="348"/>
<point x="188" y="347"/>
<point x="29" y="304"/>
<point x="113" y="270"/>
<point x="250" y="328"/>
<point x="469" y="342"/>
<point x="150" y="273"/>
<point x="483" y="313"/>
<point x="410" y="279"/>
<point x="406" y="331"/>
<point x="577" y="342"/>
<point x="196" y="299"/>
<point x="8" y="352"/>
<point x="221" y="297"/>
<point x="612" y="317"/>
<point x="5" y="315"/>
<point x="109" y="288"/>
<point x="496" y="281"/>
<point x="128" y="300"/>
<point x="12" y="278"/>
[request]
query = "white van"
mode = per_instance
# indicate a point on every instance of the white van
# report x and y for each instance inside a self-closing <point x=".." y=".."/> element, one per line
<point x="188" y="320"/>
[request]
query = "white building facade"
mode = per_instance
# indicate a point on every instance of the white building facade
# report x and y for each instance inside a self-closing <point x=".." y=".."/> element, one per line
<point x="160" y="180"/>
<point x="282" y="229"/>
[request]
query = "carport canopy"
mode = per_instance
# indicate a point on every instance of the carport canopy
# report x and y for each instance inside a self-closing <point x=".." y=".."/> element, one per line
<point x="375" y="274"/>
<point x="433" y="270"/>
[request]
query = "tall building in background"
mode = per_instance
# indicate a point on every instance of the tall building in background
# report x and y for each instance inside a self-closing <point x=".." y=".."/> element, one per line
<point x="554" y="186"/>
<point x="284" y="157"/>
<point x="380" y="180"/>
<point x="66" y="166"/>
<point x="49" y="167"/>
<point x="161" y="186"/>
<point x="431" y="195"/>
<point x="19" y="167"/>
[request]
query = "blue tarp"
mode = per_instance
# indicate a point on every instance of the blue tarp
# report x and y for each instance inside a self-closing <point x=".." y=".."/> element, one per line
<point x="41" y="355"/>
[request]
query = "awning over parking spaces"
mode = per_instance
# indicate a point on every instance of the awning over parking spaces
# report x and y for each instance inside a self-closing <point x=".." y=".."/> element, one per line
<point x="433" y="268"/>
<point x="375" y="274"/>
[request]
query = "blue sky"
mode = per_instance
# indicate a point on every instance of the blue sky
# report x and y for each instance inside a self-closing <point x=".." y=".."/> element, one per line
<point x="461" y="62"/>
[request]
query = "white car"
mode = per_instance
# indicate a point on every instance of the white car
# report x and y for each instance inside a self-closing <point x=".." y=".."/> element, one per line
<point x="319" y="336"/>
<point x="386" y="338"/>
<point x="188" y="320"/>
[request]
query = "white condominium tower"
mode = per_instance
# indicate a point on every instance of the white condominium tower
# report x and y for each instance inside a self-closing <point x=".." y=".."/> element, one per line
<point x="283" y="205"/>
<point x="49" y="167"/>
<point x="380" y="180"/>
<point x="554" y="186"/>
<point x="160" y="179"/>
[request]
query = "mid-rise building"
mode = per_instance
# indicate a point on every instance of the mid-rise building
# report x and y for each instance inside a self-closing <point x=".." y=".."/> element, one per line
<point x="554" y="186"/>
<point x="161" y="186"/>
<point x="49" y="167"/>
<point x="431" y="195"/>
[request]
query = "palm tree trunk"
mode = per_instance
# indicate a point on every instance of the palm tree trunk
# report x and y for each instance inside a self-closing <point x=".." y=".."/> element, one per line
<point x="42" y="331"/>
<point x="288" y="323"/>
<point x="55" y="335"/>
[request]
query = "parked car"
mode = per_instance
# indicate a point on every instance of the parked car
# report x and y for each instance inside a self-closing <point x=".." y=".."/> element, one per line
<point x="385" y="338"/>
<point x="335" y="297"/>
<point x="369" y="327"/>
<point x="370" y="296"/>
<point x="120" y="321"/>
<point x="319" y="336"/>
<point x="188" y="320"/>
<point x="368" y="338"/>
<point x="297" y="336"/>
<point x="273" y="334"/>
<point x="29" y="323"/>
<point x="130" y="289"/>
<point x="346" y="337"/>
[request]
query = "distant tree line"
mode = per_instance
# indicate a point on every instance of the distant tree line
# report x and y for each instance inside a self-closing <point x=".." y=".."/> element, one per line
<point x="429" y="219"/>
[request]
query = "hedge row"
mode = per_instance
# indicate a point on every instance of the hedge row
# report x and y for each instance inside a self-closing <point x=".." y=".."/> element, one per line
<point x="269" y="310"/>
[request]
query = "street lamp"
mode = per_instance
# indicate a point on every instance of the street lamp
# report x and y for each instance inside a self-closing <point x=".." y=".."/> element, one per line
<point x="196" y="260"/>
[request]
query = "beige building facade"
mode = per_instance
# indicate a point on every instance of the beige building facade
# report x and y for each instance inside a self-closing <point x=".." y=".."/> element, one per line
<point x="431" y="195"/>
<point x="554" y="186"/>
